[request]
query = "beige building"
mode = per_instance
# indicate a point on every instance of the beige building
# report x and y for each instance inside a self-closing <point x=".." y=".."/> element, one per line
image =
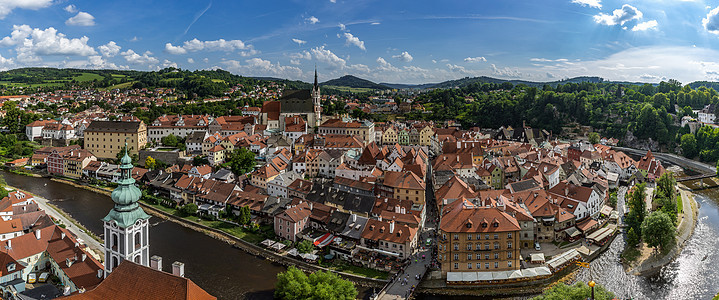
<point x="361" y="129"/>
<point x="477" y="238"/>
<point x="105" y="139"/>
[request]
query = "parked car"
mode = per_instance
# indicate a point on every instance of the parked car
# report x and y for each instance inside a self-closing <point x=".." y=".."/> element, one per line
<point x="536" y="246"/>
<point x="43" y="277"/>
<point x="31" y="278"/>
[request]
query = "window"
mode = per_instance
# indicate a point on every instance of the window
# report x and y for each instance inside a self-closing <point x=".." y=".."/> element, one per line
<point x="486" y="236"/>
<point x="509" y="254"/>
<point x="496" y="236"/>
<point x="469" y="246"/>
<point x="486" y="246"/>
<point x="496" y="265"/>
<point x="469" y="236"/>
<point x="496" y="256"/>
<point x="509" y="235"/>
<point x="509" y="245"/>
<point x="479" y="236"/>
<point x="469" y="256"/>
<point x="486" y="256"/>
<point x="456" y="266"/>
<point x="456" y="236"/>
<point x="469" y="266"/>
<point x="479" y="256"/>
<point x="456" y="256"/>
<point x="509" y="264"/>
<point x="496" y="245"/>
<point x="456" y="246"/>
<point x="486" y="265"/>
<point x="479" y="266"/>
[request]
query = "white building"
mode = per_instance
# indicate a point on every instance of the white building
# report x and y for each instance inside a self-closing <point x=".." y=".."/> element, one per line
<point x="707" y="115"/>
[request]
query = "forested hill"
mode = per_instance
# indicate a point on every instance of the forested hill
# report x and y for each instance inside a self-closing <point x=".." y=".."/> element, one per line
<point x="353" y="82"/>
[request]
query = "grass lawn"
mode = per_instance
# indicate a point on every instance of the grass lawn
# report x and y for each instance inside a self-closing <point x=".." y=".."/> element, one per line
<point x="342" y="266"/>
<point x="680" y="203"/>
<point x="87" y="77"/>
<point x="630" y="254"/>
<point x="120" y="86"/>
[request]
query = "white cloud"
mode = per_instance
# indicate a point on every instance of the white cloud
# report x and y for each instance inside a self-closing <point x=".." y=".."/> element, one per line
<point x="456" y="68"/>
<point x="506" y="72"/>
<point x="564" y="60"/>
<point x="7" y="6"/>
<point x="711" y="22"/>
<point x="590" y="3"/>
<point x="404" y="56"/>
<point x="30" y="43"/>
<point x="333" y="1"/>
<point x="312" y="20"/>
<point x="134" y="39"/>
<point x="190" y="60"/>
<point x="144" y="59"/>
<point x="434" y="61"/>
<point x="643" y="26"/>
<point x="475" y="59"/>
<point x="110" y="49"/>
<point x="375" y="23"/>
<point x="81" y="19"/>
<point x="260" y="67"/>
<point x="166" y="64"/>
<point x="70" y="8"/>
<point x="351" y="39"/>
<point x="195" y="45"/>
<point x="326" y="56"/>
<point x="206" y="60"/>
<point x="342" y="27"/>
<point x="299" y="42"/>
<point x="619" y="16"/>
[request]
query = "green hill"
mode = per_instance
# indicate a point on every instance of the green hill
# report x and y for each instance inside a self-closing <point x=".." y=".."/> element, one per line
<point x="353" y="82"/>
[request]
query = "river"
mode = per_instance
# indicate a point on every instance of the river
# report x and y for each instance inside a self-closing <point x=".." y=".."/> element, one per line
<point x="220" y="269"/>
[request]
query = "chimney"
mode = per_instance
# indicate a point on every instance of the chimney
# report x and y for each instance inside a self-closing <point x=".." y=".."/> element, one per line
<point x="391" y="226"/>
<point x="62" y="235"/>
<point x="84" y="256"/>
<point x="178" y="269"/>
<point x="396" y="209"/>
<point x="9" y="244"/>
<point x="156" y="262"/>
<point x="379" y="218"/>
<point x="566" y="191"/>
<point x="354" y="218"/>
<point x="99" y="273"/>
<point x="37" y="234"/>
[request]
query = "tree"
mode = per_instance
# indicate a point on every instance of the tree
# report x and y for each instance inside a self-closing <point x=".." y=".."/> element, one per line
<point x="241" y="161"/>
<point x="613" y="199"/>
<point x="632" y="238"/>
<point x="689" y="145"/>
<point x="637" y="208"/>
<point x="121" y="153"/>
<point x="245" y="216"/>
<point x="593" y="138"/>
<point x="305" y="246"/>
<point x="199" y="160"/>
<point x="170" y="140"/>
<point x="12" y="117"/>
<point x="150" y="163"/>
<point x="577" y="291"/>
<point x="658" y="230"/>
<point x="3" y="192"/>
<point x="189" y="209"/>
<point x="293" y="284"/>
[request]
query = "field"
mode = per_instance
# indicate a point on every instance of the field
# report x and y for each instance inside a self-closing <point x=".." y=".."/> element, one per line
<point x="120" y="86"/>
<point x="79" y="77"/>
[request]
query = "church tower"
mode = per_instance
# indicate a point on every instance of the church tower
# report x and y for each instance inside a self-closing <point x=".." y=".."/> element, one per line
<point x="316" y="101"/>
<point x="126" y="226"/>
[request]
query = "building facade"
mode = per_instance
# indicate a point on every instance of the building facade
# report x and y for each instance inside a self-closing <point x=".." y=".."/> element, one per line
<point x="105" y="139"/>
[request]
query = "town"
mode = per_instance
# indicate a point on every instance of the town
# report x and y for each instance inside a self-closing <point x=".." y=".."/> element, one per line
<point x="404" y="201"/>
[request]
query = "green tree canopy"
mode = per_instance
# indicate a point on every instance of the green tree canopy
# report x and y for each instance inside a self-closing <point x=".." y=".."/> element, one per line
<point x="637" y="208"/>
<point x="577" y="291"/>
<point x="189" y="209"/>
<point x="658" y="230"/>
<point x="293" y="284"/>
<point x="594" y="137"/>
<point x="150" y="163"/>
<point x="241" y="161"/>
<point x="689" y="145"/>
<point x="170" y="140"/>
<point x="245" y="215"/>
<point x="305" y="246"/>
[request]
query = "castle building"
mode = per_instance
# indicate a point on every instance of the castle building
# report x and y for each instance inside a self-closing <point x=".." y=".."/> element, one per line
<point x="126" y="226"/>
<point x="303" y="103"/>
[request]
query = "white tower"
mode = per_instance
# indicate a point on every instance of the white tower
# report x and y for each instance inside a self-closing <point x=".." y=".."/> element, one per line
<point x="126" y="226"/>
<point x="316" y="101"/>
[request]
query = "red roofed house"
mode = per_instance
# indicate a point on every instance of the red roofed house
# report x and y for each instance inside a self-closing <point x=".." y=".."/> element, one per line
<point x="292" y="221"/>
<point x="387" y="236"/>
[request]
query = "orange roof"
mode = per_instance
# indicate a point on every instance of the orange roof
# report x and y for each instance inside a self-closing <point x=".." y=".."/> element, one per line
<point x="463" y="216"/>
<point x="403" y="180"/>
<point x="136" y="282"/>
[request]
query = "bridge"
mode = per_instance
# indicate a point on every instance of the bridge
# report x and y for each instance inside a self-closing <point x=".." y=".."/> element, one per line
<point x="695" y="177"/>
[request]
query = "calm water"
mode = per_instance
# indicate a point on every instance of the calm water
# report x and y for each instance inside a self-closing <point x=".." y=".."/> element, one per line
<point x="223" y="271"/>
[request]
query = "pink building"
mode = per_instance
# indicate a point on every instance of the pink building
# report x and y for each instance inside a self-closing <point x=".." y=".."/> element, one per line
<point x="292" y="221"/>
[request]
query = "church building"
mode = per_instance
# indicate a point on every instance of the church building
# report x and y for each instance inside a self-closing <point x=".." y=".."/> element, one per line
<point x="303" y="103"/>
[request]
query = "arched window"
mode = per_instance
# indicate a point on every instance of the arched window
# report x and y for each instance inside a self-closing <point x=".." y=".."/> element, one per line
<point x="114" y="241"/>
<point x="137" y="259"/>
<point x="114" y="262"/>
<point x="138" y="241"/>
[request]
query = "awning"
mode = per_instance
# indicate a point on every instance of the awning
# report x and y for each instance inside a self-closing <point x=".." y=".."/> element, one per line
<point x="572" y="232"/>
<point x="537" y="257"/>
<point x="515" y="274"/>
<point x="469" y="276"/>
<point x="606" y="210"/>
<point x="563" y="258"/>
<point x="500" y="275"/>
<point x="484" y="276"/>
<point x="454" y="276"/>
<point x="541" y="271"/>
<point x="531" y="272"/>
<point x="309" y="256"/>
<point x="324" y="240"/>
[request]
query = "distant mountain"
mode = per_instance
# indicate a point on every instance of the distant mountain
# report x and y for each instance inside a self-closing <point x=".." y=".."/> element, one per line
<point x="709" y="84"/>
<point x="354" y="82"/>
<point x="409" y="86"/>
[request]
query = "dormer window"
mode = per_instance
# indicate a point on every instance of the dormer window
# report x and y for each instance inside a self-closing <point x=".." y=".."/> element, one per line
<point x="484" y="225"/>
<point x="495" y="224"/>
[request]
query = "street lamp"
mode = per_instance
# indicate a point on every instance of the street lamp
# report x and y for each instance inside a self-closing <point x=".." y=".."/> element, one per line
<point x="592" y="284"/>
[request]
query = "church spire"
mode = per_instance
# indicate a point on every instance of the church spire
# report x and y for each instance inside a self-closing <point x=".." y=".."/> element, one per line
<point x="126" y="210"/>
<point x="316" y="86"/>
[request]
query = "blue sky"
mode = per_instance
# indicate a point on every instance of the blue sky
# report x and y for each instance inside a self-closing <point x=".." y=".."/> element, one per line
<point x="384" y="41"/>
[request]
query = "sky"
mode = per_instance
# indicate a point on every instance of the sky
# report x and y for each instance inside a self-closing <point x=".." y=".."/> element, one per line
<point x="392" y="41"/>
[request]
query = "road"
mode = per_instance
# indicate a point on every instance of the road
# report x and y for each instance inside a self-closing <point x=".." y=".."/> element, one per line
<point x="94" y="245"/>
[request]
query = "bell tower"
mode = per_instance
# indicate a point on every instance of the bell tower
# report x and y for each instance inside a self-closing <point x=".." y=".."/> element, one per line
<point x="316" y="102"/>
<point x="126" y="225"/>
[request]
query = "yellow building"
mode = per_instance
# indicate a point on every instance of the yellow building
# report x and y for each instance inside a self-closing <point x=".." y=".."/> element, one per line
<point x="476" y="238"/>
<point x="389" y="136"/>
<point x="105" y="139"/>
<point x="74" y="161"/>
<point x="425" y="136"/>
<point x="404" y="186"/>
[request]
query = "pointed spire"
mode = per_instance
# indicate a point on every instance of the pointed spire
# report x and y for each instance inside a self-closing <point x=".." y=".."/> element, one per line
<point x="315" y="78"/>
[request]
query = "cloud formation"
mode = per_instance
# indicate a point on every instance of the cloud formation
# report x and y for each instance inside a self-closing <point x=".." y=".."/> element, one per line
<point x="110" y="49"/>
<point x="312" y="20"/>
<point x="619" y="16"/>
<point x="475" y="59"/>
<point x="643" y="26"/>
<point x="590" y="3"/>
<point x="195" y="45"/>
<point x="7" y="6"/>
<point x="30" y="43"/>
<point x="81" y="19"/>
<point x="299" y="42"/>
<point x="404" y="56"/>
<point x="144" y="59"/>
<point x="70" y="8"/>
<point x="353" y="40"/>
<point x="711" y="22"/>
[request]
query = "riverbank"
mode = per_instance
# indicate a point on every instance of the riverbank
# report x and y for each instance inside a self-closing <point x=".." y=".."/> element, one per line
<point x="236" y="242"/>
<point x="655" y="262"/>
